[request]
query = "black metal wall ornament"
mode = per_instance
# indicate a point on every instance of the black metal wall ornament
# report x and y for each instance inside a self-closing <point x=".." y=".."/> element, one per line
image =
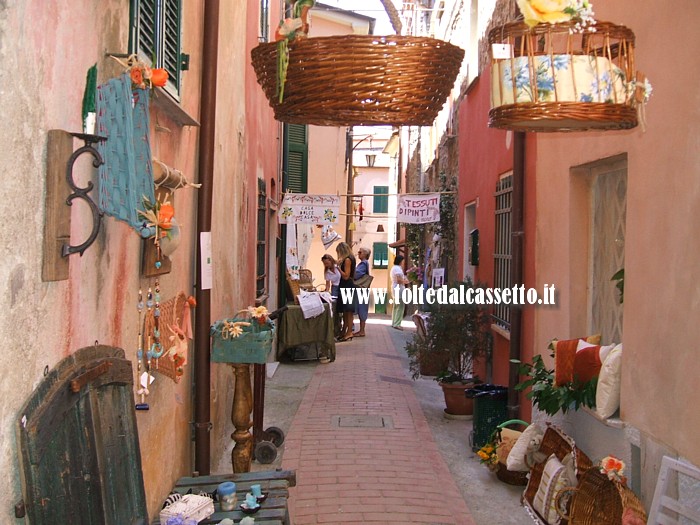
<point x="83" y="193"/>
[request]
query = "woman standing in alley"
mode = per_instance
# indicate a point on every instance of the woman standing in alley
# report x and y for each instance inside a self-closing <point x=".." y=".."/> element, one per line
<point x="361" y="271"/>
<point x="398" y="283"/>
<point x="346" y="306"/>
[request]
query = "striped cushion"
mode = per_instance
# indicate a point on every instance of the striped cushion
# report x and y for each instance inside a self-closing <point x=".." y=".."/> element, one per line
<point x="554" y="479"/>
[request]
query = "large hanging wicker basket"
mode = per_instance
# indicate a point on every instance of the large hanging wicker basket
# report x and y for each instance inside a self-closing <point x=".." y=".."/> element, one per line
<point x="359" y="79"/>
<point x="555" y="79"/>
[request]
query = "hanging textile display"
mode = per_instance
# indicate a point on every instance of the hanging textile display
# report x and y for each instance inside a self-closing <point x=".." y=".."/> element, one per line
<point x="419" y="209"/>
<point x="292" y="254"/>
<point x="305" y="234"/>
<point x="309" y="209"/>
<point x="126" y="176"/>
<point x="329" y="236"/>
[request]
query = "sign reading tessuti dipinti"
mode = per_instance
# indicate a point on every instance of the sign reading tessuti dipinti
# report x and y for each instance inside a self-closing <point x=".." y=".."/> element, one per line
<point x="419" y="209"/>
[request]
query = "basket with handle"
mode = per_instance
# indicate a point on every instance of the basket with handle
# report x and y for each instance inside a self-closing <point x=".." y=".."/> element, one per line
<point x="598" y="500"/>
<point x="510" y="477"/>
<point x="251" y="345"/>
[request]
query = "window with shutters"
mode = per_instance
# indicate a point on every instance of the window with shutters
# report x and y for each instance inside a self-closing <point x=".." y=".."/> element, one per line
<point x="261" y="253"/>
<point x="155" y="37"/>
<point x="380" y="255"/>
<point x="502" y="255"/>
<point x="381" y="199"/>
<point x="297" y="151"/>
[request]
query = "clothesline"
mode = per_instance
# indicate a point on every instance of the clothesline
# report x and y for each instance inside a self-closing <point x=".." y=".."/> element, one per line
<point x="380" y="194"/>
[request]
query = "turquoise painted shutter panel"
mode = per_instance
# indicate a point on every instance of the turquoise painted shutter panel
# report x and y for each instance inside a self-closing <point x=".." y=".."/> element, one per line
<point x="79" y="451"/>
<point x="380" y="255"/>
<point x="381" y="203"/>
<point x="297" y="158"/>
<point x="171" y="41"/>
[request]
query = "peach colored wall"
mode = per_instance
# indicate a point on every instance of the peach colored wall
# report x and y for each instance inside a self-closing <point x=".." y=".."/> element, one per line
<point x="662" y="259"/>
<point x="47" y="49"/>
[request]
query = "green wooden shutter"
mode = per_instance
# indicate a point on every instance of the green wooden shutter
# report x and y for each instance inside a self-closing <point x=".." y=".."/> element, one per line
<point x="170" y="49"/>
<point x="155" y="36"/>
<point x="381" y="203"/>
<point x="380" y="255"/>
<point x="297" y="158"/>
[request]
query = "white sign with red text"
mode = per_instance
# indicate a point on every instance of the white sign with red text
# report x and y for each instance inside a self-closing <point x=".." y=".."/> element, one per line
<point x="419" y="209"/>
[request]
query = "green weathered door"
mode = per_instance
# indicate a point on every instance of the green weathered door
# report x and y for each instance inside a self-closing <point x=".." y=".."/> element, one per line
<point x="79" y="449"/>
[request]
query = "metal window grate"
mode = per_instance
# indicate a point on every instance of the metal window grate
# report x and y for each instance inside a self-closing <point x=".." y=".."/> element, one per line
<point x="503" y="254"/>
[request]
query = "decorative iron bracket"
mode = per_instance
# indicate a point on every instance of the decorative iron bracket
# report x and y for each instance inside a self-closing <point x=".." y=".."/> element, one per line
<point x="82" y="193"/>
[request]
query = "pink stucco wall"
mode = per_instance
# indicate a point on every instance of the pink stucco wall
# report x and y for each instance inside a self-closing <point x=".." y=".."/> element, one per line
<point x="662" y="260"/>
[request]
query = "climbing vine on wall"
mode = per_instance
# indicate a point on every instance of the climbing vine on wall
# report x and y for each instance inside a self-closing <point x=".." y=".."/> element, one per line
<point x="447" y="227"/>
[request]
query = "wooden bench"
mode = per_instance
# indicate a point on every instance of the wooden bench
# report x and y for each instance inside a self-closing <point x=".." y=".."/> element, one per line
<point x="275" y="483"/>
<point x="80" y="461"/>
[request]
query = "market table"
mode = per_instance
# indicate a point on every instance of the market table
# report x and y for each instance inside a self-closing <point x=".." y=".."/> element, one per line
<point x="274" y="483"/>
<point x="294" y="330"/>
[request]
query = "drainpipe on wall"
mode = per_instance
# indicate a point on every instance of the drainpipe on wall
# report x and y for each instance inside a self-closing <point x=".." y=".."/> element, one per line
<point x="516" y="268"/>
<point x="207" y="132"/>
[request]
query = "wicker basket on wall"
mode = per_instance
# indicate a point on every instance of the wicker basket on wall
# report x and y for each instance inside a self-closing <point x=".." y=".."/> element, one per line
<point x="359" y="79"/>
<point x="549" y="78"/>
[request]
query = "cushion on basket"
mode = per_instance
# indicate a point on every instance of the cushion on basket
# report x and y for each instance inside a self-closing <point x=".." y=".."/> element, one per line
<point x="555" y="477"/>
<point x="528" y="442"/>
<point x="564" y="356"/>
<point x="607" y="397"/>
<point x="509" y="438"/>
<point x="559" y="78"/>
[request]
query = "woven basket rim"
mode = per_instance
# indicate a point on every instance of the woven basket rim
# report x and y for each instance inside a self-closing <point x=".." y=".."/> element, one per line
<point x="520" y="28"/>
<point x="581" y="116"/>
<point x="344" y="80"/>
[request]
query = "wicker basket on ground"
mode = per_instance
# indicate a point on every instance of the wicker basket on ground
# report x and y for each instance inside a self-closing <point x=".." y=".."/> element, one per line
<point x="548" y="78"/>
<point x="599" y="501"/>
<point x="554" y="442"/>
<point x="358" y="79"/>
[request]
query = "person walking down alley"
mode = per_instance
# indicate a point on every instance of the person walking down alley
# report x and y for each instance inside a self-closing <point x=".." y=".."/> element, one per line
<point x="362" y="280"/>
<point x="398" y="283"/>
<point x="346" y="305"/>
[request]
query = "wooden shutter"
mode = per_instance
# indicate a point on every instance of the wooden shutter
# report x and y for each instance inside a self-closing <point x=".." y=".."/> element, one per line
<point x="146" y="24"/>
<point x="170" y="49"/>
<point x="297" y="158"/>
<point x="381" y="203"/>
<point x="79" y="451"/>
<point x="380" y="255"/>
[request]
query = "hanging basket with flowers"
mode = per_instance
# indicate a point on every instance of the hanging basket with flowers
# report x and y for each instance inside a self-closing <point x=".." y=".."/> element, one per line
<point x="247" y="338"/>
<point x="561" y="70"/>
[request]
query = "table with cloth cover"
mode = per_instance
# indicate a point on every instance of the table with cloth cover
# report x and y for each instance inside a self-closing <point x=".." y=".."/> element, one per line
<point x="294" y="331"/>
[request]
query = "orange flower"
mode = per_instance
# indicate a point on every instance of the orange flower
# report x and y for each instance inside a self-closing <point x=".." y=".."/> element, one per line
<point x="611" y="463"/>
<point x="136" y="76"/>
<point x="159" y="77"/>
<point x="165" y="216"/>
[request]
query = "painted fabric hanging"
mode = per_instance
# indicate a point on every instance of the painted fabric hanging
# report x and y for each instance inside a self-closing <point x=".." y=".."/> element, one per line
<point x="126" y="176"/>
<point x="292" y="253"/>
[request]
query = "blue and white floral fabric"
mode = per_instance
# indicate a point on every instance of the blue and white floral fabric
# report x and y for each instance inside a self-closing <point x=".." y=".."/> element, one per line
<point x="557" y="78"/>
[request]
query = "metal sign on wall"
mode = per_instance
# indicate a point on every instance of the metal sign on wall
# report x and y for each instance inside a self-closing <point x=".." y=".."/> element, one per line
<point x="302" y="208"/>
<point x="419" y="209"/>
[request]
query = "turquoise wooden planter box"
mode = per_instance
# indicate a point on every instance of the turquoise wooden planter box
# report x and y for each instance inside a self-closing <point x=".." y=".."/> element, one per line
<point x="252" y="346"/>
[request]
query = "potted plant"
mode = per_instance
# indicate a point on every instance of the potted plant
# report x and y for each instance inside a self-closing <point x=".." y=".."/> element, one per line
<point x="457" y="334"/>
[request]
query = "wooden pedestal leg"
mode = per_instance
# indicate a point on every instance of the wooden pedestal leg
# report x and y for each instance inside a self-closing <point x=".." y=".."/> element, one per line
<point x="242" y="453"/>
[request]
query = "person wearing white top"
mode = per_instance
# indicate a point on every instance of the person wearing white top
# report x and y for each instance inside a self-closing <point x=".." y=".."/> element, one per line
<point x="331" y="274"/>
<point x="398" y="283"/>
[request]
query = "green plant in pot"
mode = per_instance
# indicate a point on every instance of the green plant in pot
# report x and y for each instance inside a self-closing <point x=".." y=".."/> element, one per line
<point x="456" y="335"/>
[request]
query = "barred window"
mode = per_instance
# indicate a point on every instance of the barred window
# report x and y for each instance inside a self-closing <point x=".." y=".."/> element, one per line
<point x="503" y="254"/>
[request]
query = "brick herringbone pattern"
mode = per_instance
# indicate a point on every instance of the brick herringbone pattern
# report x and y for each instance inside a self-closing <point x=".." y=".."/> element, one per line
<point x="367" y="475"/>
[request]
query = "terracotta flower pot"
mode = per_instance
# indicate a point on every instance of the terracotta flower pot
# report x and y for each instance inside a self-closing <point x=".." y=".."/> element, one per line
<point x="455" y="400"/>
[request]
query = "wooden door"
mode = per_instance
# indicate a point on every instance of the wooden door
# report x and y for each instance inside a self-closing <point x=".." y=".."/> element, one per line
<point x="79" y="450"/>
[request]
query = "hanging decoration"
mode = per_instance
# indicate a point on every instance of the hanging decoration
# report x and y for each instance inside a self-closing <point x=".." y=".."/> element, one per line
<point x="175" y="332"/>
<point x="421" y="208"/>
<point x="288" y="30"/>
<point x="292" y="256"/>
<point x="329" y="236"/>
<point x="350" y="80"/>
<point x="561" y="70"/>
<point x="303" y="208"/>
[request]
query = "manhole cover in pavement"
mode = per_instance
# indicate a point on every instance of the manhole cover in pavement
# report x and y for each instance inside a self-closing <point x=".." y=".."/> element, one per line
<point x="387" y="356"/>
<point x="362" y="421"/>
<point x="398" y="380"/>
